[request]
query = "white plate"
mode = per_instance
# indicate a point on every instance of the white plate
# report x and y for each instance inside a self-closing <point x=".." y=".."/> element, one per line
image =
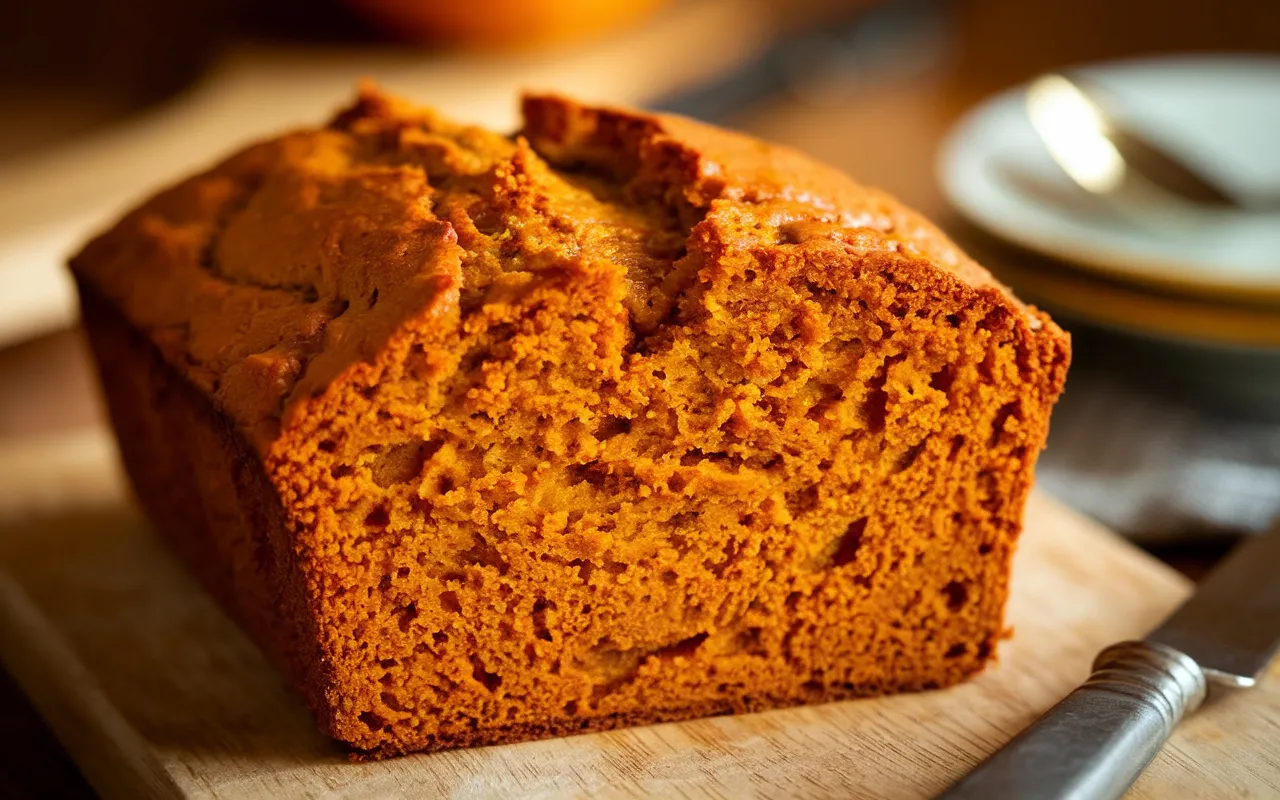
<point x="1221" y="112"/>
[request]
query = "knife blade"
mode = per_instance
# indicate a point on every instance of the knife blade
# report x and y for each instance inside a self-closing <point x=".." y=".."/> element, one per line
<point x="1098" y="739"/>
<point x="1231" y="626"/>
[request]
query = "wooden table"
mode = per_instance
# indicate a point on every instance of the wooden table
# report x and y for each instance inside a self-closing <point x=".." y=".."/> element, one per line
<point x="884" y="134"/>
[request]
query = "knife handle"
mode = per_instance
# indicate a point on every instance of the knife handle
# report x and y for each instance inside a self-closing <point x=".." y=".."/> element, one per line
<point x="1098" y="739"/>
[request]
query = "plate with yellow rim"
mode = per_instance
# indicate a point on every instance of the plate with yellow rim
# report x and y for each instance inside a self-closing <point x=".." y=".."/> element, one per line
<point x="1221" y="113"/>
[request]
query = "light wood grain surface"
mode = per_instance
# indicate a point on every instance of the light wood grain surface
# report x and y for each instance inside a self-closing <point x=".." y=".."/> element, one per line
<point x="156" y="694"/>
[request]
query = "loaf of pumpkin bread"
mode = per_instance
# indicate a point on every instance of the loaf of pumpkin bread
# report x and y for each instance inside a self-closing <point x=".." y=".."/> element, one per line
<point x="618" y="420"/>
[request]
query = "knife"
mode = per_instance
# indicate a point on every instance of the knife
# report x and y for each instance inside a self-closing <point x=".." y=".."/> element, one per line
<point x="1097" y="741"/>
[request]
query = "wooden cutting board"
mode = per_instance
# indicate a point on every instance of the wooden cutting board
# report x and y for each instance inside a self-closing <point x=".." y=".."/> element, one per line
<point x="156" y="694"/>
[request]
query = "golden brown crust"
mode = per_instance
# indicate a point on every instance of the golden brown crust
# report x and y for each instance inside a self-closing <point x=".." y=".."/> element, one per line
<point x="704" y="164"/>
<point x="623" y="413"/>
<point x="238" y="274"/>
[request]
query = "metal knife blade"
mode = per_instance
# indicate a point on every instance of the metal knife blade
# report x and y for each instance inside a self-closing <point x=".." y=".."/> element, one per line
<point x="1231" y="625"/>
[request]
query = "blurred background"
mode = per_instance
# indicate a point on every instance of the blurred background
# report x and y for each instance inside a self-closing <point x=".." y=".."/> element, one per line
<point x="1170" y="428"/>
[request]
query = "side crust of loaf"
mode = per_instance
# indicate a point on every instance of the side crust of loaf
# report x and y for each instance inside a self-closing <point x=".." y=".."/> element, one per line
<point x="206" y="492"/>
<point x="620" y="421"/>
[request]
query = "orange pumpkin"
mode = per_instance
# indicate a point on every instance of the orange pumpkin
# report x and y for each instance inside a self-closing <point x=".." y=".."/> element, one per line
<point x="501" y="22"/>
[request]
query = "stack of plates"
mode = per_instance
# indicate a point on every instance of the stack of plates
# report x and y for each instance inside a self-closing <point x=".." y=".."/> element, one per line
<point x="1196" y="299"/>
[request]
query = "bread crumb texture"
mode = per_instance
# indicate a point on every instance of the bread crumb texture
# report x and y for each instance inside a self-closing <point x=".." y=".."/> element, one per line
<point x="618" y="420"/>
